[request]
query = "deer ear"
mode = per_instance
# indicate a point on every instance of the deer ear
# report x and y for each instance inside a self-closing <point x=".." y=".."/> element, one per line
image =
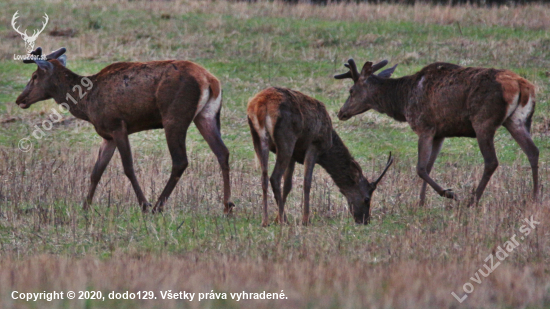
<point x="63" y="60"/>
<point x="44" y="65"/>
<point x="387" y="72"/>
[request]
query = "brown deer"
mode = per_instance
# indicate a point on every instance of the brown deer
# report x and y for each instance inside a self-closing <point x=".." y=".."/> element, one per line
<point x="298" y="129"/>
<point x="446" y="100"/>
<point x="128" y="97"/>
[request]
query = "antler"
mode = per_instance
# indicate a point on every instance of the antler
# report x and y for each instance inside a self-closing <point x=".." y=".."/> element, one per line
<point x="379" y="65"/>
<point x="390" y="161"/>
<point x="37" y="52"/>
<point x="53" y="55"/>
<point x="56" y="53"/>
<point x="35" y="33"/>
<point x="352" y="73"/>
<point x="13" y="24"/>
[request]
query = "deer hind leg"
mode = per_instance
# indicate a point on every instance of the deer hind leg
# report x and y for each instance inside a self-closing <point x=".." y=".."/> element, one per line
<point x="436" y="147"/>
<point x="123" y="145"/>
<point x="285" y="148"/>
<point x="209" y="127"/>
<point x="176" y="133"/>
<point x="106" y="152"/>
<point x="486" y="144"/>
<point x="261" y="147"/>
<point x="520" y="133"/>
<point x="287" y="186"/>
<point x="425" y="146"/>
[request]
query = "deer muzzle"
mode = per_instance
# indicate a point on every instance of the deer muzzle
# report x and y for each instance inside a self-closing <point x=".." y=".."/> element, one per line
<point x="343" y="116"/>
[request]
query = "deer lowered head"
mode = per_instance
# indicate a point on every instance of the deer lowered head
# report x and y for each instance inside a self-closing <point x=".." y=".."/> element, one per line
<point x="29" y="40"/>
<point x="42" y="84"/>
<point x="365" y="88"/>
<point x="359" y="193"/>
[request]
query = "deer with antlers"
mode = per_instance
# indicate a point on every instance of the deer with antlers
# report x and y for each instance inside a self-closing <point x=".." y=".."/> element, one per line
<point x="29" y="40"/>
<point x="446" y="100"/>
<point x="129" y="97"/>
<point x="298" y="129"/>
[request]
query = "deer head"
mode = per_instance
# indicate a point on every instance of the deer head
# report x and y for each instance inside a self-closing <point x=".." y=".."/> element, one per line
<point x="365" y="87"/>
<point x="359" y="196"/>
<point x="42" y="83"/>
<point x="29" y="40"/>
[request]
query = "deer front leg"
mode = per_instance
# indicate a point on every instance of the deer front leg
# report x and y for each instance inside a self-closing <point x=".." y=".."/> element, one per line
<point x="425" y="143"/>
<point x="123" y="145"/>
<point x="436" y="147"/>
<point x="309" y="164"/>
<point x="104" y="157"/>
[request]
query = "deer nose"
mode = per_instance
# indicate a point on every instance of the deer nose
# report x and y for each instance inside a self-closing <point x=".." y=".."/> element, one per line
<point x="362" y="220"/>
<point x="342" y="116"/>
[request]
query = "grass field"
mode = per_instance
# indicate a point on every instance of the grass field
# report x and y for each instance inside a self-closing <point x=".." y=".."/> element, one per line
<point x="407" y="257"/>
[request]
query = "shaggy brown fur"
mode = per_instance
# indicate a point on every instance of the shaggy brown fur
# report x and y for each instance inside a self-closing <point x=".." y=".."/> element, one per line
<point x="446" y="100"/>
<point x="298" y="129"/>
<point x="128" y="97"/>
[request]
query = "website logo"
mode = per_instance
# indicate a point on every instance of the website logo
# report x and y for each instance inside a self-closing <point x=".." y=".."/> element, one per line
<point x="29" y="40"/>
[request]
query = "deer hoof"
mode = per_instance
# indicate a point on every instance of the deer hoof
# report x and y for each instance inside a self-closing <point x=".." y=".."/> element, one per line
<point x="157" y="209"/>
<point x="278" y="220"/>
<point x="229" y="208"/>
<point x="448" y="193"/>
<point x="265" y="224"/>
<point x="473" y="201"/>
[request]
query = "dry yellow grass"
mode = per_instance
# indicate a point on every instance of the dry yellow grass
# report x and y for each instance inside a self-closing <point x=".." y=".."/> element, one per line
<point x="408" y="257"/>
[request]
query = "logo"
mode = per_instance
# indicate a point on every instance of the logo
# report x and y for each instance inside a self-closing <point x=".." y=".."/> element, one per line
<point x="29" y="40"/>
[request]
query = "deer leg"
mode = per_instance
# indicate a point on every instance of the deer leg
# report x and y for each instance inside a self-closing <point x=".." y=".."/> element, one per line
<point x="523" y="138"/>
<point x="284" y="156"/>
<point x="210" y="131"/>
<point x="425" y="143"/>
<point x="309" y="164"/>
<point x="487" y="147"/>
<point x="123" y="145"/>
<point x="287" y="186"/>
<point x="436" y="147"/>
<point x="106" y="152"/>
<point x="175" y="137"/>
<point x="261" y="147"/>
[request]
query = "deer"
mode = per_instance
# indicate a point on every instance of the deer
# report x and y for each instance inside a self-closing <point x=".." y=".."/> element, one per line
<point x="445" y="100"/>
<point x="129" y="97"/>
<point x="298" y="128"/>
<point x="29" y="40"/>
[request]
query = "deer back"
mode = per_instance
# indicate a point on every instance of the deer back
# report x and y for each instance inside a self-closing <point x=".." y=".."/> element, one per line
<point x="279" y="112"/>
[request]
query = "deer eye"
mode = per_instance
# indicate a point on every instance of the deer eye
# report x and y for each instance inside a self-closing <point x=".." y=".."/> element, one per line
<point x="34" y="76"/>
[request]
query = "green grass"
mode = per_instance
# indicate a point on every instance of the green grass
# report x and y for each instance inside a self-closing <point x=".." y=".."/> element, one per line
<point x="250" y="47"/>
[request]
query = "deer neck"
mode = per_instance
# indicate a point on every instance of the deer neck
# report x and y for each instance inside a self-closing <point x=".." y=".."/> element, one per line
<point x="391" y="98"/>
<point x="66" y="82"/>
<point x="340" y="165"/>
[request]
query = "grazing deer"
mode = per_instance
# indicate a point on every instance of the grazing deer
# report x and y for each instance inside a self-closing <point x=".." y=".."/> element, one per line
<point x="29" y="40"/>
<point x="446" y="100"/>
<point x="128" y="97"/>
<point x="298" y="129"/>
